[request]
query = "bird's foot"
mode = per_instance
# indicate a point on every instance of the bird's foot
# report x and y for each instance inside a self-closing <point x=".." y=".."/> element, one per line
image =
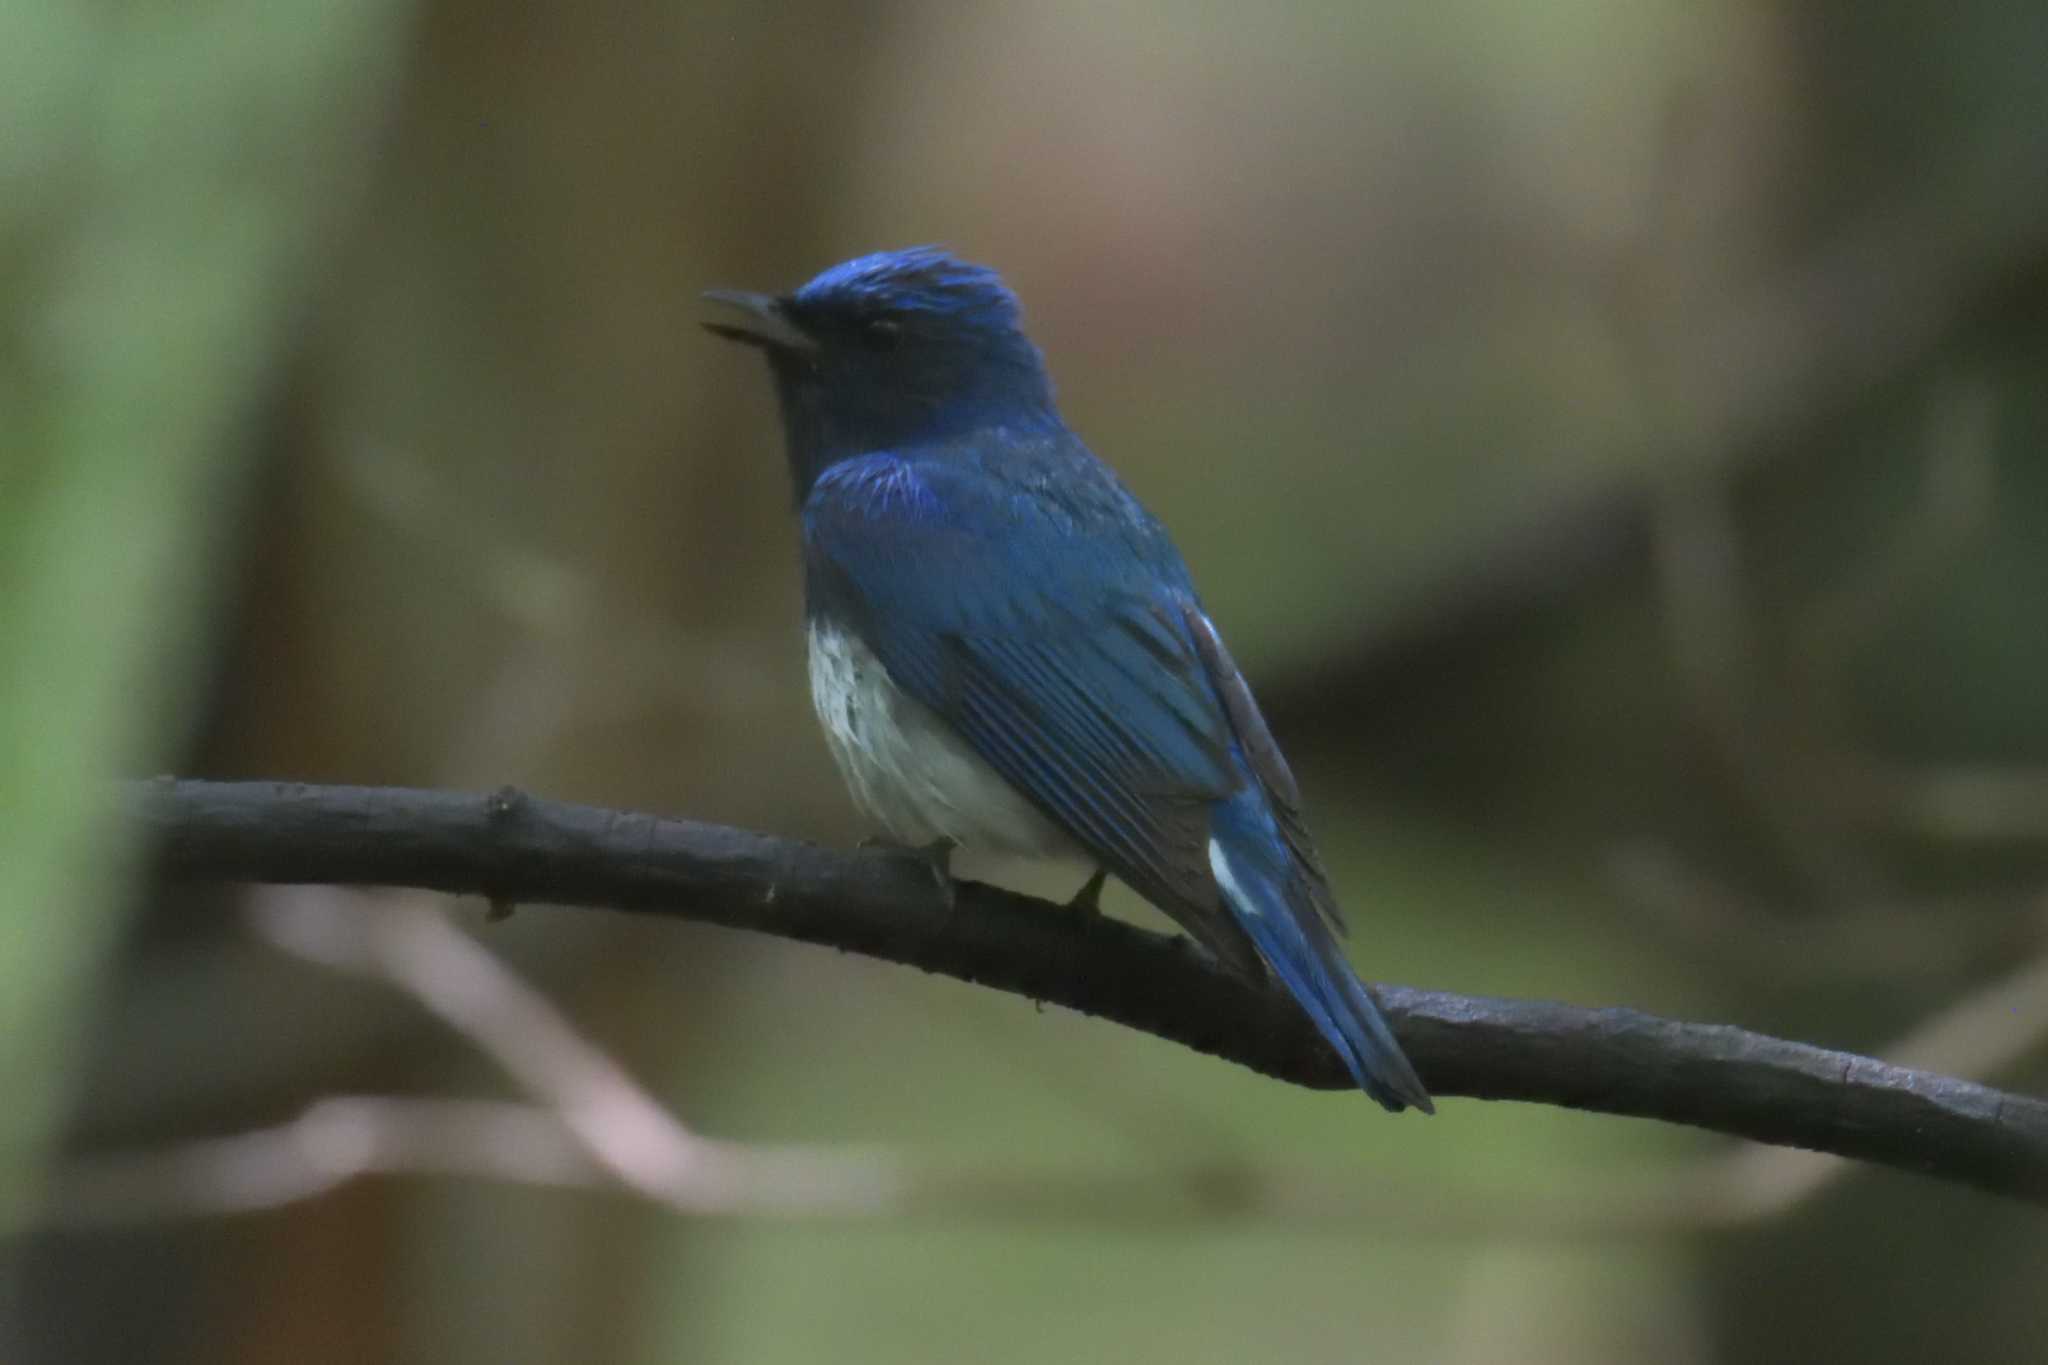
<point x="1088" y="899"/>
<point x="936" y="855"/>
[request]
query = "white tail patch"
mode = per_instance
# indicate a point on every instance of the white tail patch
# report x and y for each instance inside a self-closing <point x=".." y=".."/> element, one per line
<point x="1226" y="877"/>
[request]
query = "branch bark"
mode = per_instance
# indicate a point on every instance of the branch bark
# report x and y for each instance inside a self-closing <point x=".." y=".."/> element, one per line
<point x="512" y="848"/>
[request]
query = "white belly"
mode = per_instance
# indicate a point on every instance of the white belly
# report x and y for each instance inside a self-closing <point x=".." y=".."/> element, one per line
<point x="906" y="767"/>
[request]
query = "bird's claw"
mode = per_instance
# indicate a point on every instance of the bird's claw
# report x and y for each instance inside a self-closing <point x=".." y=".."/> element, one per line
<point x="1089" y="898"/>
<point x="936" y="855"/>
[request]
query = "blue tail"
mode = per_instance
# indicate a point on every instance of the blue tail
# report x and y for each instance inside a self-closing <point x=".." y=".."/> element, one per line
<point x="1269" y="898"/>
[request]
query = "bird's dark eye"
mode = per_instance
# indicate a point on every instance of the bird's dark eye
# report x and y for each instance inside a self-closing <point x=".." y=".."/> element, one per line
<point x="883" y="333"/>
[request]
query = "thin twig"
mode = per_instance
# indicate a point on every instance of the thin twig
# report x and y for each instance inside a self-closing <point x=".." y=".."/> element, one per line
<point x="345" y="1137"/>
<point x="348" y="1137"/>
<point x="1888" y="940"/>
<point x="408" y="942"/>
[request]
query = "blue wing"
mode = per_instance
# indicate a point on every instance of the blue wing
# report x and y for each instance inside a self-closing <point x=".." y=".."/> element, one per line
<point x="1054" y="641"/>
<point x="1052" y="625"/>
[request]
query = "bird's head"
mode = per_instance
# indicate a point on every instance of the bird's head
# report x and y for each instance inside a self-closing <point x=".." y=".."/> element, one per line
<point x="891" y="351"/>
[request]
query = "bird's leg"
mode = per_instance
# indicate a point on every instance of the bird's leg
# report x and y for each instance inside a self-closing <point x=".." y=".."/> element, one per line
<point x="936" y="855"/>
<point x="939" y="853"/>
<point x="1089" y="897"/>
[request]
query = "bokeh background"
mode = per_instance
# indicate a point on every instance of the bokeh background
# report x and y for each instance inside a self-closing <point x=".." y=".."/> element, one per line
<point x="1609" y="432"/>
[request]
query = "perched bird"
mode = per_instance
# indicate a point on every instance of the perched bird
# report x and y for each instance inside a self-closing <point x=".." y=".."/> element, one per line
<point x="1006" y="650"/>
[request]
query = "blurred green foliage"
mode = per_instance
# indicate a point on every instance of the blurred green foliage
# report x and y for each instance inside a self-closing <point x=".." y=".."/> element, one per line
<point x="166" y="174"/>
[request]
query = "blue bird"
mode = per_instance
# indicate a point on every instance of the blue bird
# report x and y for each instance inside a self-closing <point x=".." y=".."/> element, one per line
<point x="1006" y="650"/>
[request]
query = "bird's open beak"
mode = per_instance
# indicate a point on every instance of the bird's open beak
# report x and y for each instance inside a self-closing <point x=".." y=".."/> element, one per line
<point x="762" y="321"/>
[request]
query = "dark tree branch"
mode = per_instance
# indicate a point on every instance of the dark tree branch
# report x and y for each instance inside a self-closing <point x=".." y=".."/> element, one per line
<point x="509" y="848"/>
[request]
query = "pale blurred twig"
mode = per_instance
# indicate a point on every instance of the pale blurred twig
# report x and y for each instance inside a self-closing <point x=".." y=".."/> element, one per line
<point x="406" y="940"/>
<point x="563" y="614"/>
<point x="1940" y="803"/>
<point x="345" y="1137"/>
<point x="1864" y="942"/>
<point x="1696" y="551"/>
<point x="1956" y="501"/>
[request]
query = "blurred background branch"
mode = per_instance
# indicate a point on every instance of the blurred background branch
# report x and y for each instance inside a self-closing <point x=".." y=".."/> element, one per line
<point x="1766" y="365"/>
<point x="588" y="1125"/>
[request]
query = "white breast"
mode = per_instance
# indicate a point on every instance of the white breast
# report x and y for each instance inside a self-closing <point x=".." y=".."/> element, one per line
<point x="906" y="767"/>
